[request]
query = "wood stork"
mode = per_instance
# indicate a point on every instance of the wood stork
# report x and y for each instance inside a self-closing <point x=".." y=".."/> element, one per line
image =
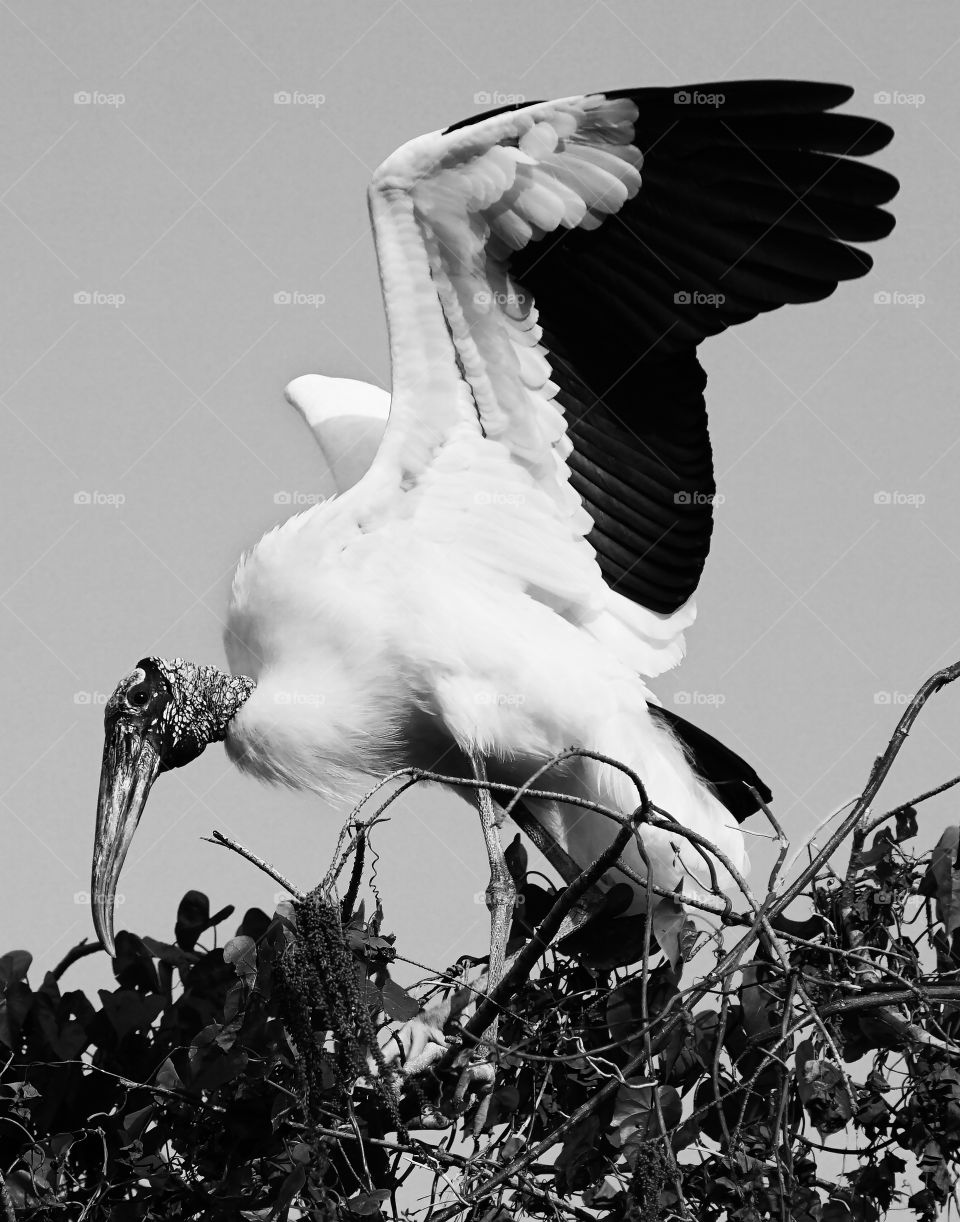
<point x="501" y="577"/>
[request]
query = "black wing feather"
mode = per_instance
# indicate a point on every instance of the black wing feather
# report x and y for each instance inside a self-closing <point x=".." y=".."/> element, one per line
<point x="745" y="206"/>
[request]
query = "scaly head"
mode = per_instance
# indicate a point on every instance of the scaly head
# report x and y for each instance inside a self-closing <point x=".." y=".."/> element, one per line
<point x="161" y="716"/>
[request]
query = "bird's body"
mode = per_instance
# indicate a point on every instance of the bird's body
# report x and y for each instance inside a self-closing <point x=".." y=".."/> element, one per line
<point x="503" y="576"/>
<point x="402" y="652"/>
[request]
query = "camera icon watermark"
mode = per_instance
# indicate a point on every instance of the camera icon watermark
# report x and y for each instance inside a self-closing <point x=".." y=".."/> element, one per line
<point x="93" y="698"/>
<point x="913" y="500"/>
<point x="302" y="499"/>
<point x="897" y="97"/>
<point x="96" y="97"/>
<point x="688" y="497"/>
<point x="113" y="500"/>
<point x="85" y="297"/>
<point x="500" y="699"/>
<point x="893" y="698"/>
<point x="699" y="698"/>
<point x="297" y="97"/>
<point x="499" y="498"/>
<point x="288" y="697"/>
<point x="697" y="97"/>
<point x="296" y="298"/>
<point x="485" y="298"/>
<point x="885" y="297"/>
<point x="695" y="297"/>
<point x="496" y="97"/>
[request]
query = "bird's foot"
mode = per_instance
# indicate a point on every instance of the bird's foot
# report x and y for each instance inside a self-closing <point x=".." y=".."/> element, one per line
<point x="478" y="1078"/>
<point x="414" y="1046"/>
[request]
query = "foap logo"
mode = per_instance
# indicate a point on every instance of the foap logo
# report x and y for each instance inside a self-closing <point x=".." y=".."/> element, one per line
<point x="499" y="498"/>
<point x="112" y="500"/>
<point x="87" y="297"/>
<point x="884" y="297"/>
<point x="510" y="700"/>
<point x="96" y="97"/>
<point x="506" y="301"/>
<point x="309" y="699"/>
<point x="92" y="698"/>
<point x="297" y="97"/>
<point x="496" y="97"/>
<point x="296" y="298"/>
<point x="897" y="97"/>
<point x="896" y="698"/>
<point x="86" y="898"/>
<point x="912" y="500"/>
<point x="707" y="698"/>
<point x="303" y="499"/>
<point x="698" y="498"/>
<point x="696" y="97"/>
<point x="694" y="297"/>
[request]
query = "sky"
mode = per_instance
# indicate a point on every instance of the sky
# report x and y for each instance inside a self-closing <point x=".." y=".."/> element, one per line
<point x="183" y="230"/>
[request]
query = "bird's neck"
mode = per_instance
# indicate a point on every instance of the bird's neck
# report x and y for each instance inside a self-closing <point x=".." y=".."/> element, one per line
<point x="206" y="699"/>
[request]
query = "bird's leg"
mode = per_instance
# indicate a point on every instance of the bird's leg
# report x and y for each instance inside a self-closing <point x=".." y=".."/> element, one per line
<point x="501" y="898"/>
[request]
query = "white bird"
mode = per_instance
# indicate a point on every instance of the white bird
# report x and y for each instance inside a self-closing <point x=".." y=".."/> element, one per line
<point x="501" y="578"/>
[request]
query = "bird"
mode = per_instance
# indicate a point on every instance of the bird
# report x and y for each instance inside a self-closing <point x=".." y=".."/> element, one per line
<point x="521" y="524"/>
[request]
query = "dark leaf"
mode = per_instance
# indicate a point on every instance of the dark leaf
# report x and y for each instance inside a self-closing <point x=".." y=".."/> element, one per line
<point x="14" y="966"/>
<point x="906" y="823"/>
<point x="942" y="879"/>
<point x="129" y="1011"/>
<point x="366" y="1203"/>
<point x="397" y="1002"/>
<point x="241" y="953"/>
<point x="289" y="1189"/>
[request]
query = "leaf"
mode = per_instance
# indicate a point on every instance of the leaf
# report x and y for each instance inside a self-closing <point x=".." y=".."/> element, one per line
<point x="397" y="1002"/>
<point x="129" y="1011"/>
<point x="14" y="966"/>
<point x="289" y="1189"/>
<point x="167" y="953"/>
<point x="669" y="917"/>
<point x="823" y="1092"/>
<point x="168" y="1077"/>
<point x="241" y="952"/>
<point x="942" y="879"/>
<point x="635" y="1116"/>
<point x="193" y="915"/>
<point x="515" y="856"/>
<point x="906" y="823"/>
<point x="366" y="1203"/>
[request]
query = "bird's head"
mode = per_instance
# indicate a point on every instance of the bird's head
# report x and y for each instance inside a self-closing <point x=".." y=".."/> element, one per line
<point x="161" y="716"/>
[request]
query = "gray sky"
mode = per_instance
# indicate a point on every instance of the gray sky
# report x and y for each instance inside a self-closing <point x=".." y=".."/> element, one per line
<point x="180" y="198"/>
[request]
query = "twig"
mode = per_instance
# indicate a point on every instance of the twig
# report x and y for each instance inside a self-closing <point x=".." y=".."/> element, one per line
<point x="80" y="951"/>
<point x="541" y="939"/>
<point x="226" y="843"/>
<point x="881" y="766"/>
<point x="874" y="823"/>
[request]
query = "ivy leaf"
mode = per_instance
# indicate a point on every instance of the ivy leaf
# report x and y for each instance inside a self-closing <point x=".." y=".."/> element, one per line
<point x="366" y="1203"/>
<point x="942" y="879"/>
<point x="289" y="1189"/>
<point x="669" y="918"/>
<point x="14" y="966"/>
<point x="397" y="1002"/>
<point x="130" y="1011"/>
<point x="823" y="1091"/>
<point x="906" y="823"/>
<point x="241" y="952"/>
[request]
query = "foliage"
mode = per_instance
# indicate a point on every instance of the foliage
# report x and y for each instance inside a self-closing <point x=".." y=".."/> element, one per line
<point x="676" y="1067"/>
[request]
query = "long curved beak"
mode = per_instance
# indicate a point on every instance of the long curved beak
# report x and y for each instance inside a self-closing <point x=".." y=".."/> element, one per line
<point x="130" y="766"/>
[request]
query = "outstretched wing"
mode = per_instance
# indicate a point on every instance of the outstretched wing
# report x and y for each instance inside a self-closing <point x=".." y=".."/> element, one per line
<point x="548" y="272"/>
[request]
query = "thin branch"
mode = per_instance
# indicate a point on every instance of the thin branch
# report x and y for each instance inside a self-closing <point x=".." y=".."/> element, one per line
<point x="226" y="843"/>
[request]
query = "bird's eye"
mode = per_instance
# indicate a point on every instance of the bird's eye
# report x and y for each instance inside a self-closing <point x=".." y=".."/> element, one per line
<point x="138" y="696"/>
